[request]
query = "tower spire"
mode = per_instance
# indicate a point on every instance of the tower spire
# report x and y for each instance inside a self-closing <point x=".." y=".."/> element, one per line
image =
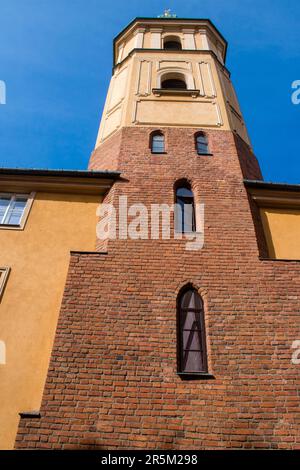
<point x="167" y="14"/>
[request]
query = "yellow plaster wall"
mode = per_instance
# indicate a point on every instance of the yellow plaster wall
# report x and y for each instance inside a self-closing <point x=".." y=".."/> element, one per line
<point x="39" y="258"/>
<point x="282" y="231"/>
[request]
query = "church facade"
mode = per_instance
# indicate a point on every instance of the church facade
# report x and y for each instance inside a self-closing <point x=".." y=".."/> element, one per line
<point x="176" y="331"/>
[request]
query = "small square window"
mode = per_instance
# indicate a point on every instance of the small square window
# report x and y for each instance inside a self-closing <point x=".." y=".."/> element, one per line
<point x="158" y="143"/>
<point x="14" y="209"/>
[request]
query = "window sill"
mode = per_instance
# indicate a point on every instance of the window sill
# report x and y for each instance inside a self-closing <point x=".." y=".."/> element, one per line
<point x="158" y="153"/>
<point x="192" y="232"/>
<point x="175" y="91"/>
<point x="30" y="415"/>
<point x="295" y="260"/>
<point x="10" y="227"/>
<point x="205" y="154"/>
<point x="195" y="376"/>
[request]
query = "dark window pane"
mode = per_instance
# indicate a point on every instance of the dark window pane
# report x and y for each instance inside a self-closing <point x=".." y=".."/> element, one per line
<point x="191" y="301"/>
<point x="192" y="341"/>
<point x="202" y="144"/>
<point x="190" y="320"/>
<point x="185" y="192"/>
<point x="185" y="211"/>
<point x="172" y="45"/>
<point x="173" y="83"/>
<point x="192" y="362"/>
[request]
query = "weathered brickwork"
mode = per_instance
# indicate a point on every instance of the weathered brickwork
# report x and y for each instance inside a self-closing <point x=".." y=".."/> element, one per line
<point x="111" y="155"/>
<point x="112" y="381"/>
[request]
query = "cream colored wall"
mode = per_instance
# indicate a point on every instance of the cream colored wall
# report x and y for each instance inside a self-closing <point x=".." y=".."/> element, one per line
<point x="39" y="258"/>
<point x="282" y="231"/>
<point x="206" y="110"/>
<point x="128" y="46"/>
<point x="196" y="35"/>
<point x="130" y="100"/>
<point x="147" y="40"/>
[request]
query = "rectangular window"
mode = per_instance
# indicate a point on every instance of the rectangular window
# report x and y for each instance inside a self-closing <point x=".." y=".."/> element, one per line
<point x="185" y="216"/>
<point x="4" y="272"/>
<point x="185" y="221"/>
<point x="202" y="145"/>
<point x="158" y="144"/>
<point x="202" y="148"/>
<point x="14" y="209"/>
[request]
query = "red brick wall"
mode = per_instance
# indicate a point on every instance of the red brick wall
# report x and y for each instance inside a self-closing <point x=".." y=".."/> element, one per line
<point x="248" y="161"/>
<point x="112" y="381"/>
<point x="106" y="156"/>
<point x="109" y="155"/>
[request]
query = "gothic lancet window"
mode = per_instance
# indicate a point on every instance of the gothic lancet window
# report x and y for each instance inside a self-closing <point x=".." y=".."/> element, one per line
<point x="192" y="355"/>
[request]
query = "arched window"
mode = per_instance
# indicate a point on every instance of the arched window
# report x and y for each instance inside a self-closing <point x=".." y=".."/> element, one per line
<point x="201" y="144"/>
<point x="157" y="142"/>
<point x="173" y="81"/>
<point x="172" y="43"/>
<point x="185" y="221"/>
<point x="192" y="355"/>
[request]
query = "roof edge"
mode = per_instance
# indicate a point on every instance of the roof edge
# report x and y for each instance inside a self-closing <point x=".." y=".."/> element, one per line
<point x="62" y="173"/>
<point x="145" y="18"/>
<point x="271" y="185"/>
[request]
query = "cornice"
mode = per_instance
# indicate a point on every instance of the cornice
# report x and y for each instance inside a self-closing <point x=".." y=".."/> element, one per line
<point x="170" y="52"/>
<point x="274" y="195"/>
<point x="56" y="182"/>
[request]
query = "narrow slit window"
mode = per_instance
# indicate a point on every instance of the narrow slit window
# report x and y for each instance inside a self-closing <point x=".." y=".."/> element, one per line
<point x="185" y="220"/>
<point x="202" y="144"/>
<point x="192" y="355"/>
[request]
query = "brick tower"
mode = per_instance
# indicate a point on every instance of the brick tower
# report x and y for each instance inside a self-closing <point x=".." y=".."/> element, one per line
<point x="159" y="346"/>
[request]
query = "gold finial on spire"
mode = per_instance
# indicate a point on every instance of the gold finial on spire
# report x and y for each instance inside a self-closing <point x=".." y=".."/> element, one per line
<point x="167" y="14"/>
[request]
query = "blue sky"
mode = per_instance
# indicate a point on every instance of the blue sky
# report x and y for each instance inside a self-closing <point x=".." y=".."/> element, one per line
<point x="56" y="58"/>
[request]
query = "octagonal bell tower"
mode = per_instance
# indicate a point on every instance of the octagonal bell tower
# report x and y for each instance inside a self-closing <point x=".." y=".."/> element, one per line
<point x="170" y="72"/>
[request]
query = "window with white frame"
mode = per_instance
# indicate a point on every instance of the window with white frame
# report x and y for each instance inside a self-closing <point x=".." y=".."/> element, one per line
<point x="14" y="209"/>
<point x="4" y="272"/>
